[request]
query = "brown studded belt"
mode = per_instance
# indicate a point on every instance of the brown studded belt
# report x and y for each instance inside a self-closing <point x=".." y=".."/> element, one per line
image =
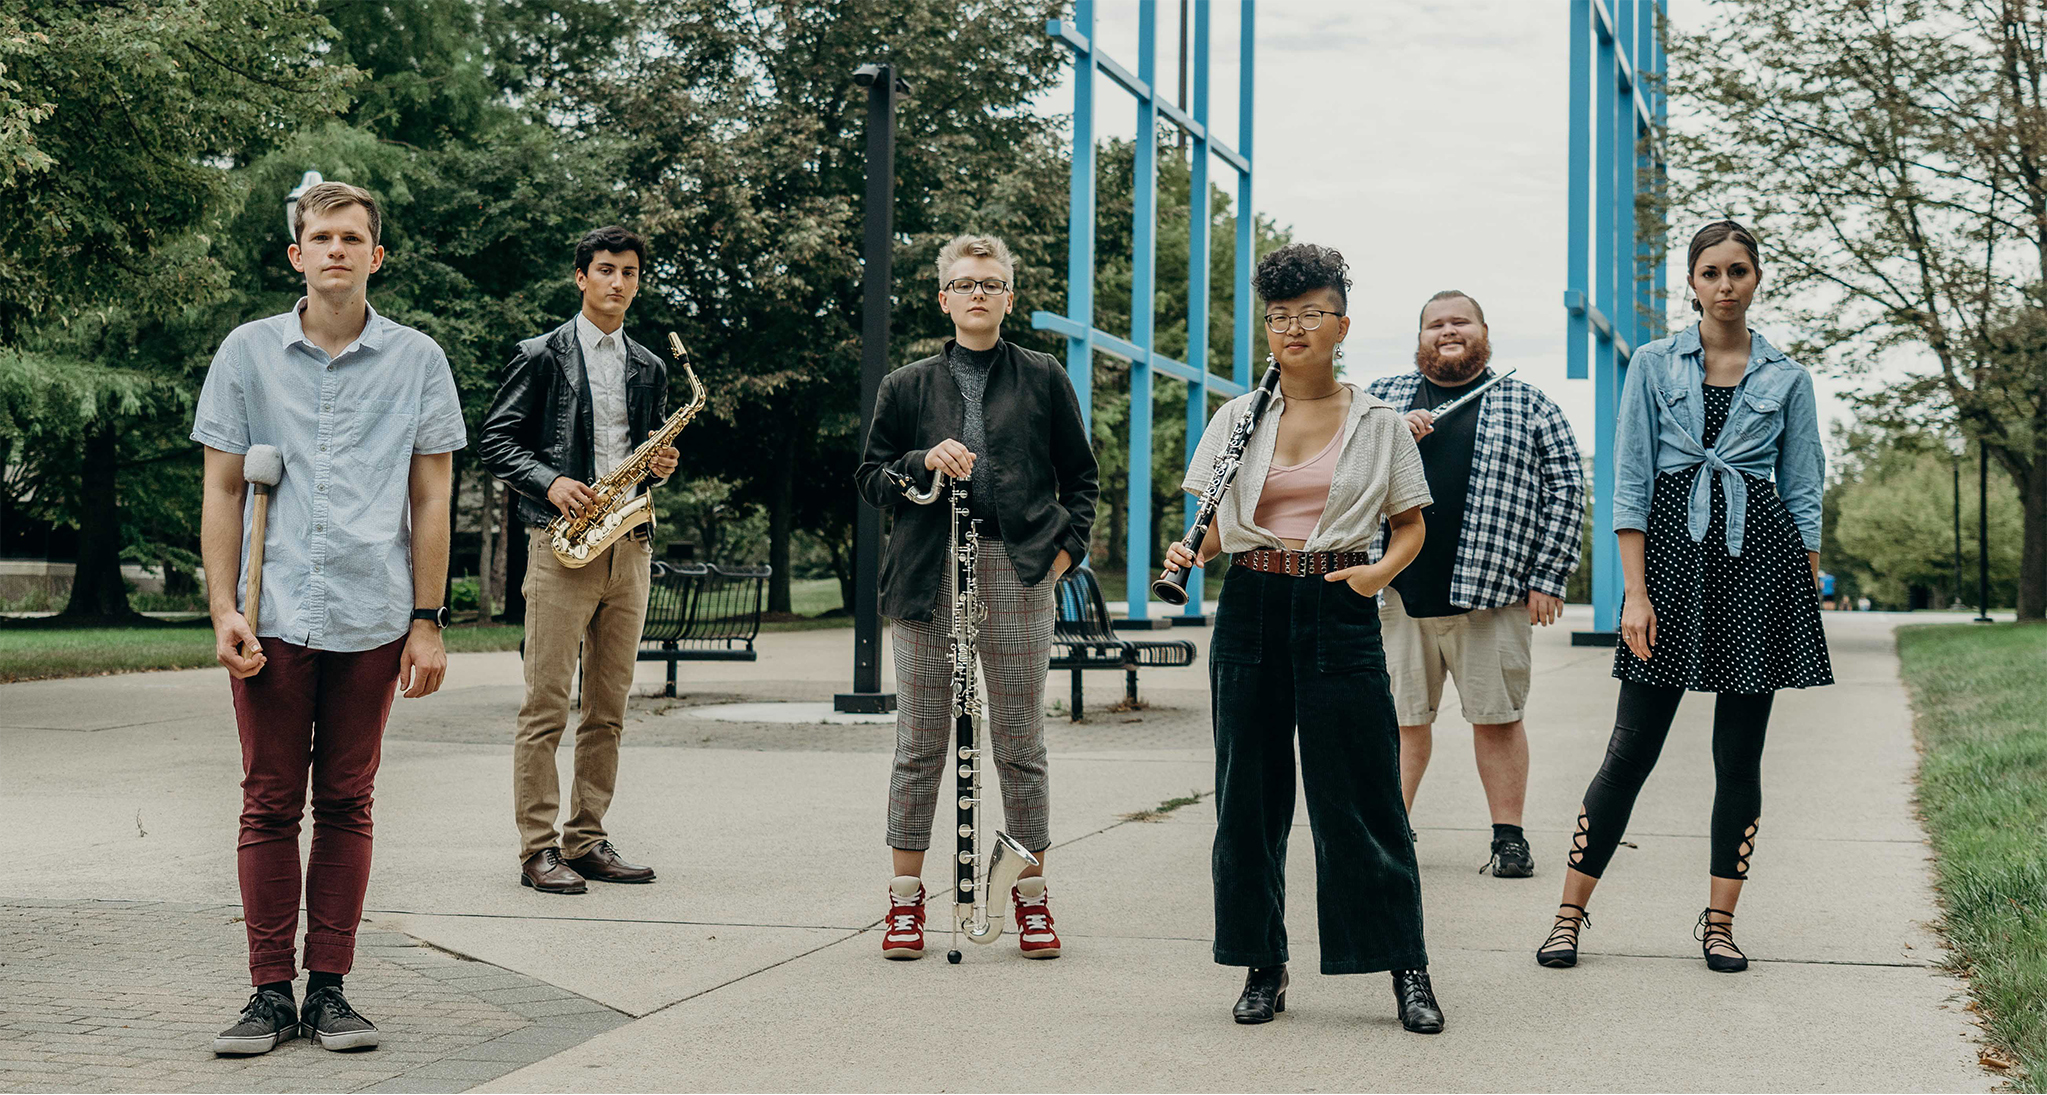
<point x="1298" y="564"/>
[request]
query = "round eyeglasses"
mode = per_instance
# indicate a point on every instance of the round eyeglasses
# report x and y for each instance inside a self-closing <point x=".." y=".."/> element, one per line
<point x="1309" y="320"/>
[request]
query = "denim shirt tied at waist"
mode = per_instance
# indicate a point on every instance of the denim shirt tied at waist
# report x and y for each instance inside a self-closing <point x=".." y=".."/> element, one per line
<point x="1772" y="430"/>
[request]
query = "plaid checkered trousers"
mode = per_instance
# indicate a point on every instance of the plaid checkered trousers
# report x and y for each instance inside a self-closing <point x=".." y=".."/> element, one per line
<point x="1526" y="503"/>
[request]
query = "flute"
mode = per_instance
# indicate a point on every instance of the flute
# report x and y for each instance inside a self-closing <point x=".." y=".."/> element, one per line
<point x="1453" y="406"/>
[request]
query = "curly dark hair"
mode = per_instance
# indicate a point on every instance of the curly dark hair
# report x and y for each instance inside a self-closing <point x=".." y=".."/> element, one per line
<point x="1301" y="268"/>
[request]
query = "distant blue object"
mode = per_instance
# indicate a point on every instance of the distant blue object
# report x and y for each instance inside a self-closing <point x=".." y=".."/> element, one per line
<point x="1826" y="584"/>
<point x="1613" y="270"/>
<point x="1083" y="338"/>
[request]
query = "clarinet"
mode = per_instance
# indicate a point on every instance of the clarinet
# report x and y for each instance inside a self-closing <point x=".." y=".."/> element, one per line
<point x="981" y="882"/>
<point x="1172" y="586"/>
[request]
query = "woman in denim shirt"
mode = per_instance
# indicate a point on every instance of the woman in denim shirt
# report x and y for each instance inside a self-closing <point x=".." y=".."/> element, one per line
<point x="1717" y="484"/>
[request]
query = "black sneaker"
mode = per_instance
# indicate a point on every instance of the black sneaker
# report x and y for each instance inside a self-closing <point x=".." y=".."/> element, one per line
<point x="1511" y="858"/>
<point x="332" y="1024"/>
<point x="267" y="1019"/>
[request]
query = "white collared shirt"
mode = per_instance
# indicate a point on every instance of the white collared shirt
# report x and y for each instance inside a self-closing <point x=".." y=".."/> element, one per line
<point x="604" y="364"/>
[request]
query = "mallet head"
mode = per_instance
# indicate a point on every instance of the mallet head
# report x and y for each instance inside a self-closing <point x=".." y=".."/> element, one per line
<point x="263" y="465"/>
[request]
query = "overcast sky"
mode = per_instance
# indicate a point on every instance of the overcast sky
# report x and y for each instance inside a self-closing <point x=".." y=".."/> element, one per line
<point x="1426" y="140"/>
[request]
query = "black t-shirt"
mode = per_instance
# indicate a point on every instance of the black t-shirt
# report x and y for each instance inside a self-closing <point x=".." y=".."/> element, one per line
<point x="1424" y="587"/>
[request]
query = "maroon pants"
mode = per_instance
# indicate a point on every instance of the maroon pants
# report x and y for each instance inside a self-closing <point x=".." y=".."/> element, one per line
<point x="320" y="712"/>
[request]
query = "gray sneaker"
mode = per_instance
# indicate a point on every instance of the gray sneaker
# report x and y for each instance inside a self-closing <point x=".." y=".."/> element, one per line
<point x="332" y="1024"/>
<point x="267" y="1019"/>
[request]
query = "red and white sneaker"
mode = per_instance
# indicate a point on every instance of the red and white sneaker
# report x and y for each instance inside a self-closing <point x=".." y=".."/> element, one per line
<point x="1034" y="934"/>
<point x="903" y="934"/>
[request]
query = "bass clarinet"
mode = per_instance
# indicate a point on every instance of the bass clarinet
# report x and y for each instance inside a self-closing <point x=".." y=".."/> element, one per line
<point x="1172" y="586"/>
<point x="982" y="880"/>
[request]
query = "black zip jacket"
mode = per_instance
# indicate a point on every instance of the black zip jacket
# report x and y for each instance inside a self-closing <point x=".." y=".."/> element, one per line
<point x="539" y="426"/>
<point x="1038" y="452"/>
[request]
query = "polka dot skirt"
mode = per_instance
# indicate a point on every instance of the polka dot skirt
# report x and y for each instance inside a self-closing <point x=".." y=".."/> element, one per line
<point x="1748" y="623"/>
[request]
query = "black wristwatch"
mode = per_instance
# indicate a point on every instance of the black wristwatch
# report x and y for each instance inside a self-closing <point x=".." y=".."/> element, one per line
<point x="438" y="615"/>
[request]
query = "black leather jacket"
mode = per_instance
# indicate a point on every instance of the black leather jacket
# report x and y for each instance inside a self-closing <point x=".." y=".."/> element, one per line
<point x="539" y="426"/>
<point x="1038" y="448"/>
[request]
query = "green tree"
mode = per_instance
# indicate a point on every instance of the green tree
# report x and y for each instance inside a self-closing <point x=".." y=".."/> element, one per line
<point x="1893" y="155"/>
<point x="1895" y="525"/>
<point x="119" y="125"/>
<point x="750" y="136"/>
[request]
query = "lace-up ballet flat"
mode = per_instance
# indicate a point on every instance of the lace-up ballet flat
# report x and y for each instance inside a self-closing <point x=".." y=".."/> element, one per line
<point x="1712" y="934"/>
<point x="1560" y="950"/>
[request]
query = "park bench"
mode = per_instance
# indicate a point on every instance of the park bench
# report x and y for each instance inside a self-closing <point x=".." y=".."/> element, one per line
<point x="702" y="612"/>
<point x="1083" y="638"/>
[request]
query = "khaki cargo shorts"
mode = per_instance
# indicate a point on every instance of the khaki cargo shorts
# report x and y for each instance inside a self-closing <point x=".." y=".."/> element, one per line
<point x="1485" y="650"/>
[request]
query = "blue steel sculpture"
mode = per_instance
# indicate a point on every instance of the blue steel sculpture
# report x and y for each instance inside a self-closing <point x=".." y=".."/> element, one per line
<point x="1083" y="338"/>
<point x="1614" y="271"/>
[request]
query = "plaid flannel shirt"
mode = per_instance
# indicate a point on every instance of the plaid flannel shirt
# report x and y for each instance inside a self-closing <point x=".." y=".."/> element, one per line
<point x="1526" y="503"/>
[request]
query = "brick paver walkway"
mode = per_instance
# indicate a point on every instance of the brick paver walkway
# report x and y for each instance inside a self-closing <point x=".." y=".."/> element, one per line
<point x="127" y="996"/>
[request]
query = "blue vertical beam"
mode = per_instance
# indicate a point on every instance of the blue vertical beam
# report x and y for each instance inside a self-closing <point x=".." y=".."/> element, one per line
<point x="1627" y="321"/>
<point x="1080" y="226"/>
<point x="1247" y="215"/>
<point x="1606" y="572"/>
<point x="1577" y="289"/>
<point x="1144" y="190"/>
<point x="1657" y="110"/>
<point x="1197" y="276"/>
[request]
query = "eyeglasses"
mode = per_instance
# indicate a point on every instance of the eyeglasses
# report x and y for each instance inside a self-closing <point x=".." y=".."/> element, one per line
<point x="1309" y="320"/>
<point x="993" y="287"/>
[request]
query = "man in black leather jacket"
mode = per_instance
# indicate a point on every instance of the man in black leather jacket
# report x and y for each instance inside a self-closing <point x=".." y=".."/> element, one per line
<point x="571" y="407"/>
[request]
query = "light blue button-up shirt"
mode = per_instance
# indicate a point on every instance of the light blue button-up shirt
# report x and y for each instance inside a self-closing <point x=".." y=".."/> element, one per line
<point x="337" y="552"/>
<point x="1772" y="431"/>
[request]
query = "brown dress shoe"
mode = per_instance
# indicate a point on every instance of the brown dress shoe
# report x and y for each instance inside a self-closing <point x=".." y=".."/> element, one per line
<point x="545" y="871"/>
<point x="603" y="864"/>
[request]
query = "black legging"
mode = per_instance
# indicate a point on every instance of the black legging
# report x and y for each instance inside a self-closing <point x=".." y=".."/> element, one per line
<point x="1640" y="726"/>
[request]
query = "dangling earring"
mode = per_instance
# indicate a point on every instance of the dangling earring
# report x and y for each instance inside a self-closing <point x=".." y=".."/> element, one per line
<point x="1339" y="351"/>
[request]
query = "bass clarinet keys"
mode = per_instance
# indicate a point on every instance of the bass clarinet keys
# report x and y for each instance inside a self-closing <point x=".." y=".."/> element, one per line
<point x="982" y="879"/>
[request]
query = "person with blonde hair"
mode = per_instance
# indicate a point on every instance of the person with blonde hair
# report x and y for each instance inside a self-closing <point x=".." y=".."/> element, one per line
<point x="1008" y="418"/>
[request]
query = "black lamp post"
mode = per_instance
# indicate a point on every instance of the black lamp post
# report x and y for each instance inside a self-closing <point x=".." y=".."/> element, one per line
<point x="1982" y="533"/>
<point x="1955" y="589"/>
<point x="884" y="88"/>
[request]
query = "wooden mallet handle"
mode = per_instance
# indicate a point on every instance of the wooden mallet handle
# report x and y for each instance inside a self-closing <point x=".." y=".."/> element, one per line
<point x="256" y="532"/>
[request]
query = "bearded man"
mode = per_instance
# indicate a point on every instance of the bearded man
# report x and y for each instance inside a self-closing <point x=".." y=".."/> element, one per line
<point x="1503" y="536"/>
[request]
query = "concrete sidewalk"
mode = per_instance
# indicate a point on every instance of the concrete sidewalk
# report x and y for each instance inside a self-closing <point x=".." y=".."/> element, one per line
<point x="752" y="964"/>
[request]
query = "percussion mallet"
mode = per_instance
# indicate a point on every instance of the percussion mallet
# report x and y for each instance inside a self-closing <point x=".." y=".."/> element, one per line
<point x="262" y="468"/>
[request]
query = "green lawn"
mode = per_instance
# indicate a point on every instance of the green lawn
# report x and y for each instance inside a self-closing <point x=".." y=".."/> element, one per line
<point x="1979" y="692"/>
<point x="33" y="653"/>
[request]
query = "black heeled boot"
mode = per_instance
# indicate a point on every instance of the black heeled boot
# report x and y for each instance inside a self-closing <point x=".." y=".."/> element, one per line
<point x="1419" y="1012"/>
<point x="1264" y="995"/>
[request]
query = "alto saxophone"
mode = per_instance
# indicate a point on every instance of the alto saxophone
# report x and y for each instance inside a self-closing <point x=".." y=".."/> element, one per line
<point x="982" y="880"/>
<point x="580" y="539"/>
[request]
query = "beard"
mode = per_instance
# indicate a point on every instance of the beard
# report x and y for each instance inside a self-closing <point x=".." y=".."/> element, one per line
<point x="1477" y="353"/>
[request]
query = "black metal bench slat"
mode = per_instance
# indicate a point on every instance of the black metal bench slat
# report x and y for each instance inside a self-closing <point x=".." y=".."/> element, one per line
<point x="1082" y="627"/>
<point x="702" y="612"/>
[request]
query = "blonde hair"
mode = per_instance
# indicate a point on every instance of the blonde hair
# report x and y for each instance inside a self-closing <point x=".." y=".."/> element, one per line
<point x="329" y="196"/>
<point x="960" y="247"/>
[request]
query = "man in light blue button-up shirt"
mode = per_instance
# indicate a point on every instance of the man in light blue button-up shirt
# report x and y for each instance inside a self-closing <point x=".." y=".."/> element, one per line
<point x="365" y="414"/>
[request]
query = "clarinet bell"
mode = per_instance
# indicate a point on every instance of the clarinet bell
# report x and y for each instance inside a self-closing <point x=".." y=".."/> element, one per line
<point x="1172" y="587"/>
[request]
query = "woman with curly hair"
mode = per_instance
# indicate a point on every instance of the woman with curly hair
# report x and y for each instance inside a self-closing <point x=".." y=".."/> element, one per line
<point x="1297" y="651"/>
<point x="1718" y="475"/>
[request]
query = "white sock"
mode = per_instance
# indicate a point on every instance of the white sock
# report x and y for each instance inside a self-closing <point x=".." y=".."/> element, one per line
<point x="1032" y="888"/>
<point x="905" y="885"/>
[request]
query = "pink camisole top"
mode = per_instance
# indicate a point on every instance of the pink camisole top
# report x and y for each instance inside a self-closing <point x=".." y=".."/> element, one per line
<point x="1293" y="499"/>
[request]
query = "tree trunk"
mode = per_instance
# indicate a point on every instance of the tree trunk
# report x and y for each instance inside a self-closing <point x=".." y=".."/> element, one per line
<point x="781" y="510"/>
<point x="2033" y="554"/>
<point x="508" y="527"/>
<point x="486" y="548"/>
<point x="97" y="591"/>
